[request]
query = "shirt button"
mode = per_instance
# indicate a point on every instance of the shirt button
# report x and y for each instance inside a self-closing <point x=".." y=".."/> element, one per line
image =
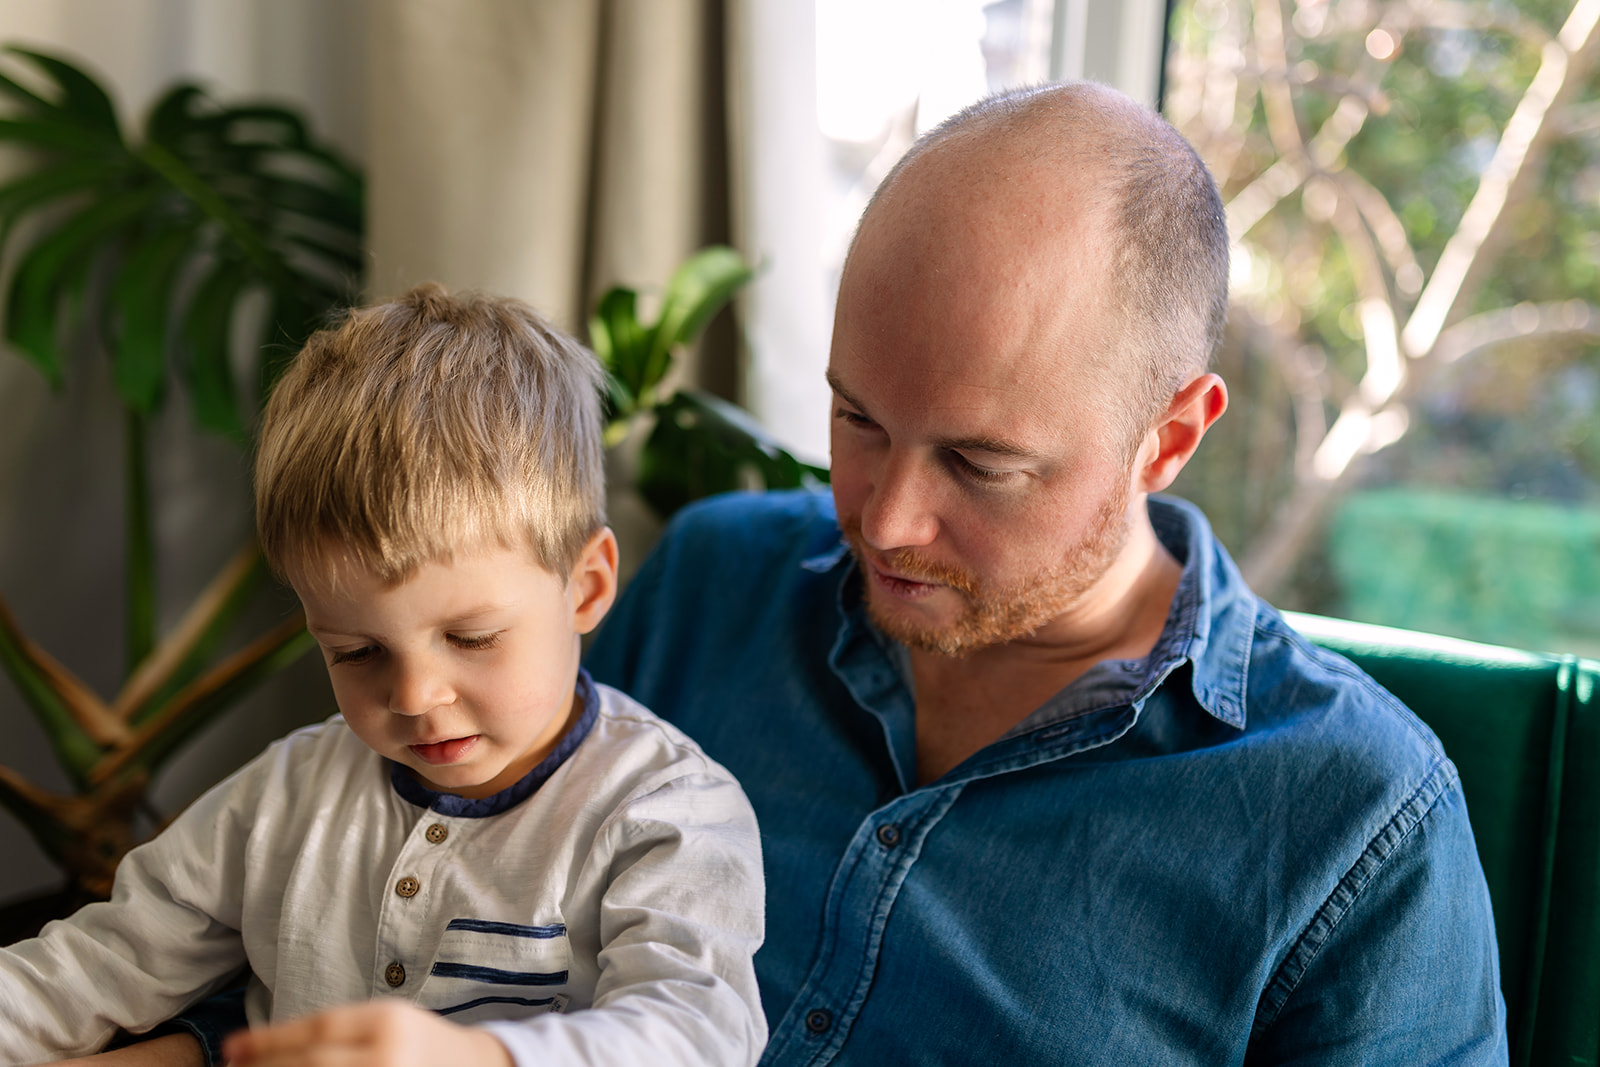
<point x="436" y="833"/>
<point x="818" y="1020"/>
<point x="407" y="886"/>
<point x="395" y="975"/>
<point x="889" y="835"/>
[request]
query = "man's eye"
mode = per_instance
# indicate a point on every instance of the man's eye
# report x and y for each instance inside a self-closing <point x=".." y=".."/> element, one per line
<point x="969" y="469"/>
<point x="353" y="655"/>
<point x="852" y="418"/>
<point x="475" y="642"/>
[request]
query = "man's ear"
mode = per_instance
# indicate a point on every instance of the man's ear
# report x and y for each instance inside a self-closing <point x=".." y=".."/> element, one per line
<point x="593" y="585"/>
<point x="1173" y="439"/>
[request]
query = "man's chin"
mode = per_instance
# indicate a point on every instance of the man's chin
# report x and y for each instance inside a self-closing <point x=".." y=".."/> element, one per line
<point x="955" y="639"/>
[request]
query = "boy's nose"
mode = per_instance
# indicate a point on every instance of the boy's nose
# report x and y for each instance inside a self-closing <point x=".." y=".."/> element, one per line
<point x="417" y="690"/>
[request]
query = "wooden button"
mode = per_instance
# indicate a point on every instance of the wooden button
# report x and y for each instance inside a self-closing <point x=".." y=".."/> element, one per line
<point x="407" y="886"/>
<point x="436" y="833"/>
<point x="395" y="975"/>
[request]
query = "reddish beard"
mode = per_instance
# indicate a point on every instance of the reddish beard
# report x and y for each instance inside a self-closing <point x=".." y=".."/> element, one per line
<point x="994" y="614"/>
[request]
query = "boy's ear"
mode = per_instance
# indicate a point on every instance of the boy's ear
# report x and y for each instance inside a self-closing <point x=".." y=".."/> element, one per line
<point x="1175" y="436"/>
<point x="593" y="585"/>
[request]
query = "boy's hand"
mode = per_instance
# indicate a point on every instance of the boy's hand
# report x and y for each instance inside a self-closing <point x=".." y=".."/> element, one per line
<point x="375" y="1034"/>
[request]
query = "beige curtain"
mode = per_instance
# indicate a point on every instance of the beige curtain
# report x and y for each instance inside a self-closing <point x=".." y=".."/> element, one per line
<point x="550" y="149"/>
<point x="546" y="150"/>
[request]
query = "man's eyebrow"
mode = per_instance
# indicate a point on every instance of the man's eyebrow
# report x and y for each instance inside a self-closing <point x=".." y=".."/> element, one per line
<point x="844" y="394"/>
<point x="994" y="446"/>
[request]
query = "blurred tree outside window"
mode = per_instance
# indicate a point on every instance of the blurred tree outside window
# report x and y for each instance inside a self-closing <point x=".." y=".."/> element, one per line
<point x="1413" y="192"/>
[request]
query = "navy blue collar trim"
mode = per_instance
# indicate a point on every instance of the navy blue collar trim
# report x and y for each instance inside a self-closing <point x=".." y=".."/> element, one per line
<point x="406" y="784"/>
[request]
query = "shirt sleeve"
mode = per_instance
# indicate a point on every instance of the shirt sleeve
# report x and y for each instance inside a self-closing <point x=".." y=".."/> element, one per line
<point x="209" y="1023"/>
<point x="680" y="921"/>
<point x="1400" y="963"/>
<point x="167" y="937"/>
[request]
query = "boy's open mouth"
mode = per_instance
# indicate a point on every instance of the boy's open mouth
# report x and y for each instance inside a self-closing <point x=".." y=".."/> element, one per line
<point x="442" y="752"/>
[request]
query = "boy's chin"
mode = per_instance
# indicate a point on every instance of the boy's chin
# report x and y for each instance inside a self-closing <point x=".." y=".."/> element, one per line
<point x="462" y="783"/>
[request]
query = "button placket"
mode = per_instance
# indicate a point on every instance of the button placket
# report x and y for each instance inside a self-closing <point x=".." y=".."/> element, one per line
<point x="874" y="867"/>
<point x="401" y="920"/>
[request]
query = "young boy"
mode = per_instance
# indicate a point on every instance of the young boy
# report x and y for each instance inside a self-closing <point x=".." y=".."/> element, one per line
<point x="556" y="875"/>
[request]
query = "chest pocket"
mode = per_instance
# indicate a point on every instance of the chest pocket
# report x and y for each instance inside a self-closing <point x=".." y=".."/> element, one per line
<point x="493" y="970"/>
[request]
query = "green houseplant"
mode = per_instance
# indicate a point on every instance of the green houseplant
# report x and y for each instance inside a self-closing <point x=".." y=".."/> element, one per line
<point x="699" y="443"/>
<point x="158" y="250"/>
<point x="152" y="249"/>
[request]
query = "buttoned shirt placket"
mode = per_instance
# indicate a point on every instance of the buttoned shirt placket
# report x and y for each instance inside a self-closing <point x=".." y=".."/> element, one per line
<point x="404" y="916"/>
<point x="886" y="846"/>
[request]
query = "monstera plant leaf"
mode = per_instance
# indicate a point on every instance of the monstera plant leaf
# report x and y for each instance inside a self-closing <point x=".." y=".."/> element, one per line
<point x="209" y="242"/>
<point x="151" y="242"/>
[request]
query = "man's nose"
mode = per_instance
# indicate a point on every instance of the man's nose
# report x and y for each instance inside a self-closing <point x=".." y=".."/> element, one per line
<point x="899" y="511"/>
<point x="418" y="686"/>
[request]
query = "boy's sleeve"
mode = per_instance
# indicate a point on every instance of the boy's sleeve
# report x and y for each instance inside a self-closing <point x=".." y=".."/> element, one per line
<point x="209" y="1023"/>
<point x="681" y="919"/>
<point x="168" y="937"/>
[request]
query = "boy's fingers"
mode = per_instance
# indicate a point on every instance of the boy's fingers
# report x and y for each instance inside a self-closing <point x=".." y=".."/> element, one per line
<point x="324" y="1056"/>
<point x="321" y="1056"/>
<point x="338" y="1029"/>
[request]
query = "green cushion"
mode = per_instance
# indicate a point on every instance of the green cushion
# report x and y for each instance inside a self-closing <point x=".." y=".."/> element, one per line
<point x="1523" y="728"/>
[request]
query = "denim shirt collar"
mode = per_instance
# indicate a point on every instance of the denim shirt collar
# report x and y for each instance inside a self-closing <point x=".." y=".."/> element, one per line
<point x="1209" y="627"/>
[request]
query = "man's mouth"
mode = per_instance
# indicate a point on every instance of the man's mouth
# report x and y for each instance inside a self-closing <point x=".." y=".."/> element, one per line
<point x="899" y="585"/>
<point x="451" y="750"/>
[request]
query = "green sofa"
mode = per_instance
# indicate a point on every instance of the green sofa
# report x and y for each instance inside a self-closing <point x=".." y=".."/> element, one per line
<point x="1523" y="728"/>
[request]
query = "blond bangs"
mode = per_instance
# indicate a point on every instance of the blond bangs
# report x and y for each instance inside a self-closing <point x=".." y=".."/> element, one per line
<point x="426" y="427"/>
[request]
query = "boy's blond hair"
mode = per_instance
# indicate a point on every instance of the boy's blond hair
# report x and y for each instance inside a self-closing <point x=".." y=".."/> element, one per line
<point x="426" y="426"/>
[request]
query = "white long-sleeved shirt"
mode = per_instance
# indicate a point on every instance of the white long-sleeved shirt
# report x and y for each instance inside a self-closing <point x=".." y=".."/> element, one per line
<point x="610" y="916"/>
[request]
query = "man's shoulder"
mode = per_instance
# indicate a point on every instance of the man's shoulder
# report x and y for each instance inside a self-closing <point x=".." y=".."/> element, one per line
<point x="1335" y="719"/>
<point x="1259" y="673"/>
<point x="757" y="525"/>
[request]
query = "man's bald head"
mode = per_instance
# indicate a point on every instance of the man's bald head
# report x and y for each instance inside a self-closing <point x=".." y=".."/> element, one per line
<point x="1118" y="184"/>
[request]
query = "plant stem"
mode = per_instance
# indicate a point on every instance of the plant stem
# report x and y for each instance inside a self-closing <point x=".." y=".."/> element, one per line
<point x="140" y="607"/>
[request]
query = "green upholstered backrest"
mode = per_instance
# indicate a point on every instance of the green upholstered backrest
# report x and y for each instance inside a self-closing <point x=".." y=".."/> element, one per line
<point x="1523" y="729"/>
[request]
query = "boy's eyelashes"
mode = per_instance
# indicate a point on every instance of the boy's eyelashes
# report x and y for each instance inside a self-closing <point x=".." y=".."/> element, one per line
<point x="466" y="642"/>
<point x="475" y="642"/>
<point x="353" y="655"/>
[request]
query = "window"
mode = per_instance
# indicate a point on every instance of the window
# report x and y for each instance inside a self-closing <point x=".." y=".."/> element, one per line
<point x="1413" y="192"/>
<point x="882" y="72"/>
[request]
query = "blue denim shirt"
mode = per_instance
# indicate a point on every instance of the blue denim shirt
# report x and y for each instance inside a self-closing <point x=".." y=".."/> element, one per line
<point x="1236" y="850"/>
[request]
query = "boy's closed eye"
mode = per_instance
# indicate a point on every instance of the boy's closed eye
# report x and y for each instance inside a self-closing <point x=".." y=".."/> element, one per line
<point x="473" y="642"/>
<point x="337" y="656"/>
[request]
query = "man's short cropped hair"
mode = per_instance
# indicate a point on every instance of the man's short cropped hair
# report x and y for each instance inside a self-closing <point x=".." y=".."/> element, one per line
<point x="430" y="425"/>
<point x="1170" y="265"/>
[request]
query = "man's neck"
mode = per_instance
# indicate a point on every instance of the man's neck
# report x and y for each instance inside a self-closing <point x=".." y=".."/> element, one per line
<point x="966" y="704"/>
